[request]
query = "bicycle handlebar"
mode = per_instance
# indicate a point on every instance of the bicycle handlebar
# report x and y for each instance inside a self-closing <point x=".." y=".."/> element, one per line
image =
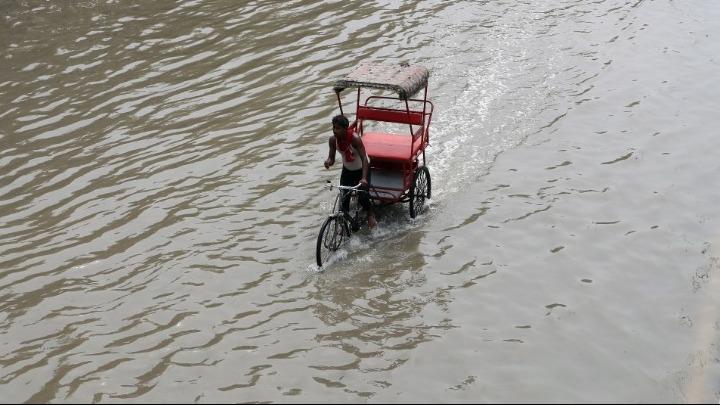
<point x="347" y="188"/>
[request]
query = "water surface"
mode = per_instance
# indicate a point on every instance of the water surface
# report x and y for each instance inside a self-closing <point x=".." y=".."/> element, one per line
<point x="161" y="189"/>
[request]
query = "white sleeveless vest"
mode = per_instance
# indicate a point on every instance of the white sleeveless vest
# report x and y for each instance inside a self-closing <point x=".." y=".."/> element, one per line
<point x="356" y="163"/>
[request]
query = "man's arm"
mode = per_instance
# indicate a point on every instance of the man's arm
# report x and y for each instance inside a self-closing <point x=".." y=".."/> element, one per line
<point x="360" y="147"/>
<point x="331" y="155"/>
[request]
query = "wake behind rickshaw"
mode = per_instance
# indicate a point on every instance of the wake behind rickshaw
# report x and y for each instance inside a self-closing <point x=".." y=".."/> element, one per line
<point x="395" y="132"/>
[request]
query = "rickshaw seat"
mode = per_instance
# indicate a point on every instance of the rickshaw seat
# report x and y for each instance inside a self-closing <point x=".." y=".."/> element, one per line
<point x="393" y="147"/>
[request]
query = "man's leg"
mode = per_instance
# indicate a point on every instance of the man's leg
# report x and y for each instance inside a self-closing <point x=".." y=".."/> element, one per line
<point x="347" y="178"/>
<point x="367" y="205"/>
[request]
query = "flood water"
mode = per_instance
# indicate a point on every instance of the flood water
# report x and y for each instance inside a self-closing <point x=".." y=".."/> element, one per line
<point x="161" y="191"/>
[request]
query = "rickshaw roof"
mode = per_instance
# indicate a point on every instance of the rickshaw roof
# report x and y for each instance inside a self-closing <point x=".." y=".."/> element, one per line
<point x="405" y="80"/>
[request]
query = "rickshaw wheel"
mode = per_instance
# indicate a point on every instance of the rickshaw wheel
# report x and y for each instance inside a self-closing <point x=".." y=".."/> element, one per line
<point x="332" y="235"/>
<point x="420" y="190"/>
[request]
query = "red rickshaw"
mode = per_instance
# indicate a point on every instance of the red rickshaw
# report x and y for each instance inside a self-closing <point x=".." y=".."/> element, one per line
<point x="395" y="132"/>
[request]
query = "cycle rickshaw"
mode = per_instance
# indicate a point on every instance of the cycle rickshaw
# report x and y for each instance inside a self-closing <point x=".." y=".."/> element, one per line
<point x="397" y="156"/>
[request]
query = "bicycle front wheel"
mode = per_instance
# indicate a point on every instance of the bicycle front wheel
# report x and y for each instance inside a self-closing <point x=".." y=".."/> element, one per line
<point x="332" y="235"/>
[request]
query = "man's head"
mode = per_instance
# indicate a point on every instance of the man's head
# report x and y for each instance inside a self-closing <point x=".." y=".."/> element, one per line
<point x="341" y="120"/>
<point x="340" y="125"/>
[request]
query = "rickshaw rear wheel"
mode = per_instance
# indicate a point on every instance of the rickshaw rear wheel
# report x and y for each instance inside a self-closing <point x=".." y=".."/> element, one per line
<point x="332" y="235"/>
<point x="420" y="190"/>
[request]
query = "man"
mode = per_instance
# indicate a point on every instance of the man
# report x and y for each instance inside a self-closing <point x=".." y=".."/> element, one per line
<point x="356" y="164"/>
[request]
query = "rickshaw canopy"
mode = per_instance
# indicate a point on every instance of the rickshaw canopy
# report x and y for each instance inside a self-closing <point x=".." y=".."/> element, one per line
<point x="405" y="80"/>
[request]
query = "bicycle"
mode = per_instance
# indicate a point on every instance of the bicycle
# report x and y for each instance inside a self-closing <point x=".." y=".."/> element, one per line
<point x="339" y="226"/>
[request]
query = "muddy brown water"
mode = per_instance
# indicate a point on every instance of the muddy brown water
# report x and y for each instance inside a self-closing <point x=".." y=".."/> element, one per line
<point x="161" y="189"/>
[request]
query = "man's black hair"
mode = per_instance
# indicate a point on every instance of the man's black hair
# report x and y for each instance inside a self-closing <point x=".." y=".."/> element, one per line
<point x="341" y="120"/>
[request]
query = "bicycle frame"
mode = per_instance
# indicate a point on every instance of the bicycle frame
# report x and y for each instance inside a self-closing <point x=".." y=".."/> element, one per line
<point x="353" y="216"/>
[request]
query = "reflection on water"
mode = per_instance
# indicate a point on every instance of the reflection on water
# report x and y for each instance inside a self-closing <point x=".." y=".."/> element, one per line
<point x="162" y="188"/>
